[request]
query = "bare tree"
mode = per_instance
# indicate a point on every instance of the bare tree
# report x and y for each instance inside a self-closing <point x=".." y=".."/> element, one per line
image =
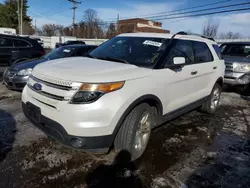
<point x="210" y="28"/>
<point x="51" y="30"/>
<point x="111" y="32"/>
<point x="92" y="24"/>
<point x="230" y="35"/>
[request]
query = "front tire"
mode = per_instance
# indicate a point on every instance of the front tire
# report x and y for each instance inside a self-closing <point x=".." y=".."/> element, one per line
<point x="134" y="133"/>
<point x="212" y="103"/>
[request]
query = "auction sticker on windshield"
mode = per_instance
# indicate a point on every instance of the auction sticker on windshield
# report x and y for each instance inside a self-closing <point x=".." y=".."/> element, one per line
<point x="152" y="43"/>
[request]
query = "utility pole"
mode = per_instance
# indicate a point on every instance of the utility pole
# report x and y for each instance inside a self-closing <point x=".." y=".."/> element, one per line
<point x="18" y="16"/>
<point x="21" y="15"/>
<point x="74" y="14"/>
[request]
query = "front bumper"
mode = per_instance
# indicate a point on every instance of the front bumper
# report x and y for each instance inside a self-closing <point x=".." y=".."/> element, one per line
<point x="53" y="129"/>
<point x="232" y="78"/>
<point x="15" y="82"/>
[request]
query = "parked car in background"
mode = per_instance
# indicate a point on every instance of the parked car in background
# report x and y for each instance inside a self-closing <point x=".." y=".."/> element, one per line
<point x="14" y="49"/>
<point x="16" y="76"/>
<point x="69" y="42"/>
<point x="237" y="60"/>
<point x="124" y="88"/>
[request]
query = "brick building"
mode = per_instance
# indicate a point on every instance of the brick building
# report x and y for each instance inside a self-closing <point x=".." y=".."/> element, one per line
<point x="139" y="25"/>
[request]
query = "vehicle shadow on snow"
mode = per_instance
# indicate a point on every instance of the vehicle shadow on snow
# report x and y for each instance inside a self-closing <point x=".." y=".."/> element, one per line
<point x="7" y="133"/>
<point x="121" y="173"/>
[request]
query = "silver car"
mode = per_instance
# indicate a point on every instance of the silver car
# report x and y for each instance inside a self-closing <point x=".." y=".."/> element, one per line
<point x="237" y="60"/>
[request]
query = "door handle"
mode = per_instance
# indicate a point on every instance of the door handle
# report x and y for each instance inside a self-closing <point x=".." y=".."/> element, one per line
<point x="194" y="72"/>
<point x="215" y="67"/>
<point x="14" y="51"/>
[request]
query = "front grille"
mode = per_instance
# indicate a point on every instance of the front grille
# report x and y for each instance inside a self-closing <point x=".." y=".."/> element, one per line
<point x="229" y="67"/>
<point x="52" y="80"/>
<point x="56" y="97"/>
<point x="50" y="93"/>
<point x="62" y="87"/>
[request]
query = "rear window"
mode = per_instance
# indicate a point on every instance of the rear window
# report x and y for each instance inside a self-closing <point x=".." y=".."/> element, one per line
<point x="202" y="53"/>
<point x="242" y="50"/>
<point x="21" y="43"/>
<point x="217" y="50"/>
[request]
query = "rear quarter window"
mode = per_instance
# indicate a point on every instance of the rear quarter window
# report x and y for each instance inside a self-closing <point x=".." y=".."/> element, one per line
<point x="217" y="50"/>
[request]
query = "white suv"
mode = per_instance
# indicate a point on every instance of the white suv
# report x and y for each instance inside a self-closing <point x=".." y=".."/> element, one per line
<point x="127" y="86"/>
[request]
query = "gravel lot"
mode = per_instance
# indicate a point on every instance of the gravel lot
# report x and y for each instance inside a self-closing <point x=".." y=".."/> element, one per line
<point x="195" y="150"/>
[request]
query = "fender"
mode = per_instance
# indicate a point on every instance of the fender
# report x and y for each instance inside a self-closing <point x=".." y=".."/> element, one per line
<point x="145" y="98"/>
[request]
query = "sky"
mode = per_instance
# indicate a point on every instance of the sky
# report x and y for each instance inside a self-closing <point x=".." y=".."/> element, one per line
<point x="59" y="12"/>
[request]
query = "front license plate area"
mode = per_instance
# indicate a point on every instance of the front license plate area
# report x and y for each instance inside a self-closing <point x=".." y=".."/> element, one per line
<point x="34" y="112"/>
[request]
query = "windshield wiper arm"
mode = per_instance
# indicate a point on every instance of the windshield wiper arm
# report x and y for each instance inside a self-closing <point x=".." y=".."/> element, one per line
<point x="114" y="59"/>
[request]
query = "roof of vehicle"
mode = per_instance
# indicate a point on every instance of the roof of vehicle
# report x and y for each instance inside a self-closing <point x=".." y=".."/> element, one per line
<point x="78" y="45"/>
<point x="16" y="36"/>
<point x="167" y="35"/>
<point x="247" y="43"/>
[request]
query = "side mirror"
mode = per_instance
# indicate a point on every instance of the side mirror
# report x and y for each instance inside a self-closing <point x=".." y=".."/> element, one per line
<point x="179" y="61"/>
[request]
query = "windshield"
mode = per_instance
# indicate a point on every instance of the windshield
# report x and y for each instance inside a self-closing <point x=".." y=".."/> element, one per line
<point x="140" y="51"/>
<point x="59" y="53"/>
<point x="242" y="50"/>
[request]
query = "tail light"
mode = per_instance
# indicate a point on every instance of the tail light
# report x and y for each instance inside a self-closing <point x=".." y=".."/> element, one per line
<point x="42" y="52"/>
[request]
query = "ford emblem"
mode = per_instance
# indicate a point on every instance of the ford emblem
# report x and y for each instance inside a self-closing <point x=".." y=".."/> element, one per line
<point x="37" y="86"/>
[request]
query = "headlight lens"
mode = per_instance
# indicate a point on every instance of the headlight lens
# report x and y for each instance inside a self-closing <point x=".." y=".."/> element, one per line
<point x="238" y="67"/>
<point x="24" y="72"/>
<point x="89" y="93"/>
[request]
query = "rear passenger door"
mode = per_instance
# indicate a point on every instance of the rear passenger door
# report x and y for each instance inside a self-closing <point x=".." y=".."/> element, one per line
<point x="22" y="49"/>
<point x="205" y="67"/>
<point x="6" y="46"/>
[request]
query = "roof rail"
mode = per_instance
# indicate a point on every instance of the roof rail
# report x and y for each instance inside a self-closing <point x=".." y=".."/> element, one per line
<point x="186" y="33"/>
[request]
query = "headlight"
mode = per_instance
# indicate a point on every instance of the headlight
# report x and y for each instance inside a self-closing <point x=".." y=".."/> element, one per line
<point x="238" y="67"/>
<point x="24" y="72"/>
<point x="89" y="93"/>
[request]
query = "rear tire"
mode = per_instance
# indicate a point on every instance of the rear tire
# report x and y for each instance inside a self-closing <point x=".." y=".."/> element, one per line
<point x="134" y="133"/>
<point x="212" y="103"/>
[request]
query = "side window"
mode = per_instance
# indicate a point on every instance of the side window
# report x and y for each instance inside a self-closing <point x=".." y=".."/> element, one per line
<point x="82" y="52"/>
<point x="181" y="48"/>
<point x="217" y="50"/>
<point x="21" y="43"/>
<point x="4" y="42"/>
<point x="202" y="53"/>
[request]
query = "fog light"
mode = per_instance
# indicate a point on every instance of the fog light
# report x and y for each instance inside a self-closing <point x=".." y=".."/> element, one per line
<point x="77" y="142"/>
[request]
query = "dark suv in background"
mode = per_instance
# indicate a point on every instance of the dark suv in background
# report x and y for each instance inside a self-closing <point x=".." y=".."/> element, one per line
<point x="69" y="42"/>
<point x="237" y="60"/>
<point x="14" y="49"/>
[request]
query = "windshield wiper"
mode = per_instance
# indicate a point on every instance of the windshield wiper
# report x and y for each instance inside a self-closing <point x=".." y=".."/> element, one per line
<point x="114" y="59"/>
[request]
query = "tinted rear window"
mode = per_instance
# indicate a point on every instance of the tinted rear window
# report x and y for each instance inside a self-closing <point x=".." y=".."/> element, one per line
<point x="218" y="51"/>
<point x="202" y="53"/>
<point x="21" y="43"/>
<point x="242" y="50"/>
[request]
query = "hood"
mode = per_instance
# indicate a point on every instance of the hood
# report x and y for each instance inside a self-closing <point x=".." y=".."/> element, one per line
<point x="27" y="64"/>
<point x="83" y="69"/>
<point x="232" y="59"/>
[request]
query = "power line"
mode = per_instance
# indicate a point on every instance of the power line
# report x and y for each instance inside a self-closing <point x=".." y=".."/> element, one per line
<point x="178" y="10"/>
<point x="205" y="14"/>
<point x="201" y="10"/>
<point x="74" y="13"/>
<point x="192" y="15"/>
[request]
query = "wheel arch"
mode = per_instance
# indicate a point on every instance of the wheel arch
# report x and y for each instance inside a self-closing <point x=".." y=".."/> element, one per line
<point x="220" y="82"/>
<point x="152" y="100"/>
